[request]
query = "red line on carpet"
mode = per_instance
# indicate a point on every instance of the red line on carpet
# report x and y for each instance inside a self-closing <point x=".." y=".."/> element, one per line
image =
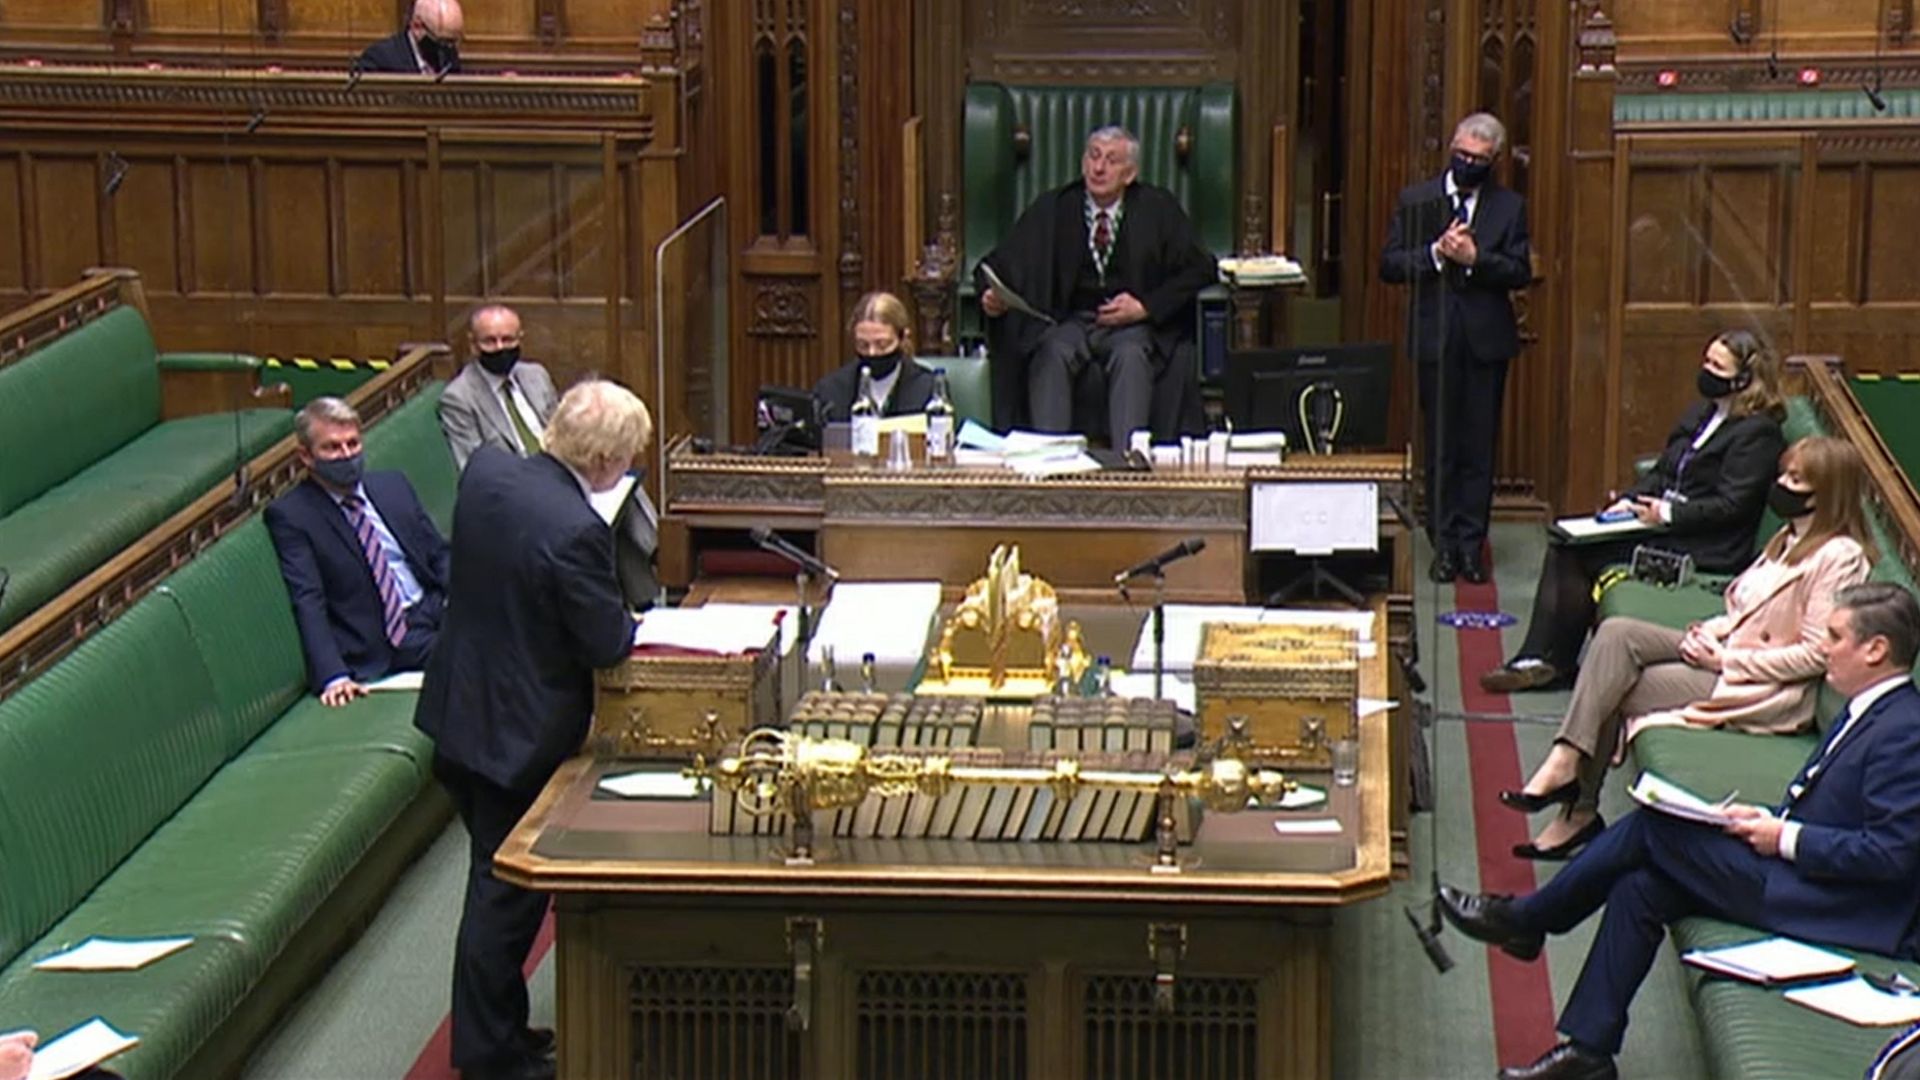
<point x="1522" y="993"/>
<point x="436" y="1058"/>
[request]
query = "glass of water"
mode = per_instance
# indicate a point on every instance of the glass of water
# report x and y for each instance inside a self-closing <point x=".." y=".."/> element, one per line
<point x="1346" y="761"/>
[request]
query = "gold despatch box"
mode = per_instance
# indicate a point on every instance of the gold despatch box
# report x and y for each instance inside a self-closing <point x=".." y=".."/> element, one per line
<point x="654" y="705"/>
<point x="1297" y="686"/>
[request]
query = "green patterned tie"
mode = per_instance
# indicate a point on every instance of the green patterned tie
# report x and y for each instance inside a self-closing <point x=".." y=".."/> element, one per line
<point x="529" y="442"/>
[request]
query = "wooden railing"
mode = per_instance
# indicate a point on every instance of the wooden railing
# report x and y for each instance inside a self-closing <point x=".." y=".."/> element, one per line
<point x="1889" y="489"/>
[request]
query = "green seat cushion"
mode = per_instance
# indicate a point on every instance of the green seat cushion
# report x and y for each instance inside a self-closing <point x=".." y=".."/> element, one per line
<point x="1713" y="763"/>
<point x="1753" y="1033"/>
<point x="67" y="405"/>
<point x="241" y="620"/>
<point x="95" y="754"/>
<point x="378" y="722"/>
<point x="409" y="439"/>
<point x="968" y="385"/>
<point x="1701" y="598"/>
<point x="63" y="535"/>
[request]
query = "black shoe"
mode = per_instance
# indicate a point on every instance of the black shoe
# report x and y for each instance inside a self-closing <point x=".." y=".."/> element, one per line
<point x="1489" y="918"/>
<point x="539" y="1041"/>
<point x="1511" y="679"/>
<point x="1564" y="1062"/>
<point x="1446" y="567"/>
<point x="1562" y="851"/>
<point x="526" y="1068"/>
<point x="1472" y="567"/>
<point x="1533" y="804"/>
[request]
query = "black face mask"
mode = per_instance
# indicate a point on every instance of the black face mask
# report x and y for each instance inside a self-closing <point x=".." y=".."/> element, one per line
<point x="1469" y="174"/>
<point x="883" y="365"/>
<point x="1787" y="502"/>
<point x="439" y="55"/>
<point x="341" y="474"/>
<point x="1714" y="385"/>
<point x="499" y="361"/>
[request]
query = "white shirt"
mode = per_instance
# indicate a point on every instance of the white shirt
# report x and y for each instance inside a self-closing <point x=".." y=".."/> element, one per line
<point x="1472" y="203"/>
<point x="883" y="388"/>
<point x="1857" y="708"/>
<point x="1665" y="505"/>
<point x="503" y="385"/>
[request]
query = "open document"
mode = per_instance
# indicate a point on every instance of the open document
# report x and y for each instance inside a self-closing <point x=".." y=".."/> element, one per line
<point x="1585" y="528"/>
<point x="1014" y="300"/>
<point x="1858" y="1002"/>
<point x="78" y="1050"/>
<point x="112" y="954"/>
<point x="1770" y="961"/>
<point x="1666" y="797"/>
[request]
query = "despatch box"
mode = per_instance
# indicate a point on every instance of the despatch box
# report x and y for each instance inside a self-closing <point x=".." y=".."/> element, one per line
<point x="655" y="704"/>
<point x="1297" y="686"/>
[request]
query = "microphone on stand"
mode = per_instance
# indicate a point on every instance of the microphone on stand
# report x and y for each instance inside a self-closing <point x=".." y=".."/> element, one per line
<point x="768" y="541"/>
<point x="1193" y="545"/>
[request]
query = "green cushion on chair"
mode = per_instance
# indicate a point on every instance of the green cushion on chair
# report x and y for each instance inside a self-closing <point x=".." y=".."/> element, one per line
<point x="409" y="439"/>
<point x="380" y="721"/>
<point x="969" y="384"/>
<point x="68" y="405"/>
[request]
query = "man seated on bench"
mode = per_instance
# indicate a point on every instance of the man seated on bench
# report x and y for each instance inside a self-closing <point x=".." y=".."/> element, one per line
<point x="1835" y="862"/>
<point x="364" y="564"/>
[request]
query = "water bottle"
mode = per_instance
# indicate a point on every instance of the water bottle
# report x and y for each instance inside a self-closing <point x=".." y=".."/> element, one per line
<point x="866" y="420"/>
<point x="1103" y="676"/>
<point x="1063" y="677"/>
<point x="828" y="684"/>
<point x="939" y="420"/>
<point x="866" y="673"/>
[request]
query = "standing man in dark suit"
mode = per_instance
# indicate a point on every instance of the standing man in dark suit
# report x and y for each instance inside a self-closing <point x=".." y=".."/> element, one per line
<point x="1836" y="861"/>
<point x="1461" y="241"/>
<point x="430" y="45"/>
<point x="500" y="399"/>
<point x="1114" y="263"/>
<point x="364" y="564"/>
<point x="509" y="693"/>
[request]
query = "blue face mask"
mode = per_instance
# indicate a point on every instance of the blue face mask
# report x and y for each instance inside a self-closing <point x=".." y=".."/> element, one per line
<point x="341" y="474"/>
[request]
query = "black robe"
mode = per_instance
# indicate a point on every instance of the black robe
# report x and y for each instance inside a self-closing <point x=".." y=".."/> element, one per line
<point x="1156" y="257"/>
<point x="835" y="391"/>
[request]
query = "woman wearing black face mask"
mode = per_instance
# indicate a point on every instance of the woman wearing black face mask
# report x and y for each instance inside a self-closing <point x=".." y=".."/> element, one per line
<point x="1706" y="494"/>
<point x="881" y="343"/>
<point x="1756" y="668"/>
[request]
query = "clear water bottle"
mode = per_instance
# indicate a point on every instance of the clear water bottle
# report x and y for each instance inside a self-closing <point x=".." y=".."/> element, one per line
<point x="939" y="420"/>
<point x="866" y="673"/>
<point x="1103" y="676"/>
<point x="829" y="684"/>
<point x="866" y="419"/>
<point x="1063" y="674"/>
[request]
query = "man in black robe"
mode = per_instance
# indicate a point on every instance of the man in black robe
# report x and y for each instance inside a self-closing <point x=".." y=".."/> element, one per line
<point x="1114" y="263"/>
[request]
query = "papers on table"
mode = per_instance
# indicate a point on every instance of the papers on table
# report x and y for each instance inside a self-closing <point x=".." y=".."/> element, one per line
<point x="716" y="628"/>
<point x="1666" y="797"/>
<point x="402" y="680"/>
<point x="1029" y="453"/>
<point x="974" y="436"/>
<point x="1585" y="527"/>
<point x="890" y="619"/>
<point x="1036" y="465"/>
<point x="608" y="503"/>
<point x="1770" y="961"/>
<point x="911" y="423"/>
<point x="1013" y="300"/>
<point x="1858" y="1002"/>
<point x="1307" y="826"/>
<point x="1185" y="623"/>
<point x="1257" y="440"/>
<point x="1315" y="518"/>
<point x="78" y="1050"/>
<point x="1175" y="688"/>
<point x="652" y="785"/>
<point x="112" y="954"/>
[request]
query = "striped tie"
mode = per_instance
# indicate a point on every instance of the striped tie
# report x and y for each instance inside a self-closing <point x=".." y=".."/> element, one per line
<point x="376" y="556"/>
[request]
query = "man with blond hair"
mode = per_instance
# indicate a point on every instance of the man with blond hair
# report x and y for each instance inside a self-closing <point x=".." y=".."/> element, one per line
<point x="534" y="607"/>
<point x="430" y="44"/>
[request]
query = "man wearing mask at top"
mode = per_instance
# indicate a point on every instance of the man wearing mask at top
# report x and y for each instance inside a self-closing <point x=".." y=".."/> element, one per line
<point x="1460" y="240"/>
<point x="365" y="566"/>
<point x="499" y="399"/>
<point x="430" y="45"/>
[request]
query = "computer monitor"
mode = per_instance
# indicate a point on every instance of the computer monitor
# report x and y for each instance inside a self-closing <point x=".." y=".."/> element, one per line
<point x="1345" y="387"/>
<point x="788" y="421"/>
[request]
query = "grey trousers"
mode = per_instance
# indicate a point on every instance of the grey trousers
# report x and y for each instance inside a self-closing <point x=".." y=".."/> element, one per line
<point x="1632" y="667"/>
<point x="1126" y="352"/>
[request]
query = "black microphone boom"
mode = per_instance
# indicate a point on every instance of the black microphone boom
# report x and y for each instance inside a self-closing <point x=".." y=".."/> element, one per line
<point x="1193" y="545"/>
<point x="766" y="538"/>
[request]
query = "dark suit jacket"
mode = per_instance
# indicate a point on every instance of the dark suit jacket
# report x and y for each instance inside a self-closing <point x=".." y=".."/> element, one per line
<point x="1725" y="486"/>
<point x="342" y="623"/>
<point x="1855" y="880"/>
<point x="1155" y="257"/>
<point x="394" y="55"/>
<point x="1474" y="300"/>
<point x="536" y="608"/>
<point x="911" y="390"/>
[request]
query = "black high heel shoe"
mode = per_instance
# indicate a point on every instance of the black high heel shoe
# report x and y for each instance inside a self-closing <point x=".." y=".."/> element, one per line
<point x="1564" y="850"/>
<point x="1533" y="804"/>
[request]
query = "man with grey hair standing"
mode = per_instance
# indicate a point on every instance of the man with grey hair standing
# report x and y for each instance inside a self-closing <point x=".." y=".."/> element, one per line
<point x="1460" y="240"/>
<point x="534" y="608"/>
<point x="364" y="565"/>
<point x="1114" y="264"/>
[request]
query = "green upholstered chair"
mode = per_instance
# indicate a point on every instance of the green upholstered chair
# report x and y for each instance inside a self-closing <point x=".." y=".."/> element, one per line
<point x="1020" y="141"/>
<point x="967" y="384"/>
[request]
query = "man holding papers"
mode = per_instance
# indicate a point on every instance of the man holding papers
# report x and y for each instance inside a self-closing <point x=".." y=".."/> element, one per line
<point x="535" y="608"/>
<point x="1836" y="861"/>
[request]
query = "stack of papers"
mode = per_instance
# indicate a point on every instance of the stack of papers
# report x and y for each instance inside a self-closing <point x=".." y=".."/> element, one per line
<point x="652" y="785"/>
<point x="716" y="628"/>
<point x="890" y="619"/>
<point x="78" y="1050"/>
<point x="112" y="954"/>
<point x="1186" y="622"/>
<point x="1029" y="453"/>
<point x="1587" y="527"/>
<point x="1666" y="797"/>
<point x="1770" y="961"/>
<point x="1856" y="1001"/>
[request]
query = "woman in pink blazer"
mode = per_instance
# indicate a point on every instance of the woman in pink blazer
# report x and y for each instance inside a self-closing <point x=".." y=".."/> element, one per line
<point x="1756" y="668"/>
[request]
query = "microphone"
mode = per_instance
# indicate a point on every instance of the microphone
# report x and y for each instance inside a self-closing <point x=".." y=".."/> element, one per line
<point x="765" y="537"/>
<point x="254" y="123"/>
<point x="353" y="76"/>
<point x="116" y="174"/>
<point x="6" y="576"/>
<point x="1191" y="546"/>
<point x="1429" y="935"/>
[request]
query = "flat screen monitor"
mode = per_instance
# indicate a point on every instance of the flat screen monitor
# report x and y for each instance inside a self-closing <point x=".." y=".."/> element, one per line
<point x="1343" y="387"/>
<point x="787" y="419"/>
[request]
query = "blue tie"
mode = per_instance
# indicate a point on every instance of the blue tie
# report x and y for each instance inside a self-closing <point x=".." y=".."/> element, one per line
<point x="1460" y="208"/>
<point x="1807" y="771"/>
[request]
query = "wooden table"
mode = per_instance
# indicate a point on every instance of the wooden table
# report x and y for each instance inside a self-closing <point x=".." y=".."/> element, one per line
<point x="682" y="954"/>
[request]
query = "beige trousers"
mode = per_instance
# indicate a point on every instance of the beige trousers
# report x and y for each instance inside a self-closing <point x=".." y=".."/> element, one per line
<point x="1632" y="667"/>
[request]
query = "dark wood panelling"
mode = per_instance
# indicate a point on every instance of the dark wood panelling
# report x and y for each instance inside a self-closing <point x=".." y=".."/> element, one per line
<point x="1745" y="241"/>
<point x="1656" y="28"/>
<point x="13" y="210"/>
<point x="1893" y="209"/>
<point x="220" y="205"/>
<point x="66" y="190"/>
<point x="145" y="223"/>
<point x="1833" y="276"/>
<point x="373" y="252"/>
<point x="1661" y="252"/>
<point x="296" y="247"/>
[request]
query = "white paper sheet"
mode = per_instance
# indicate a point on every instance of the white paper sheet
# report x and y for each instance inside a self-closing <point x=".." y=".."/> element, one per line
<point x="1854" y="1001"/>
<point x="78" y="1050"/>
<point x="1186" y="621"/>
<point x="112" y="954"/>
<point x="1315" y="518"/>
<point x="1659" y="794"/>
<point x="607" y="503"/>
<point x="890" y="619"/>
<point x="1585" y="527"/>
<point x="1052" y="465"/>
<point x="974" y="436"/>
<point x="401" y="680"/>
<point x="1175" y="688"/>
<point x="652" y="785"/>
<point x="1770" y="960"/>
<point x="1307" y="826"/>
<point x="719" y="628"/>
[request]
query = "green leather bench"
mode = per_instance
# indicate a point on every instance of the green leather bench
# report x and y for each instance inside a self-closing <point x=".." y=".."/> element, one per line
<point x="90" y="464"/>
<point x="968" y="384"/>
<point x="172" y="776"/>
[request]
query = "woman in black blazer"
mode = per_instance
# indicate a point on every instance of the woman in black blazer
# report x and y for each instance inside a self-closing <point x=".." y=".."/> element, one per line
<point x="883" y="344"/>
<point x="1709" y="489"/>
